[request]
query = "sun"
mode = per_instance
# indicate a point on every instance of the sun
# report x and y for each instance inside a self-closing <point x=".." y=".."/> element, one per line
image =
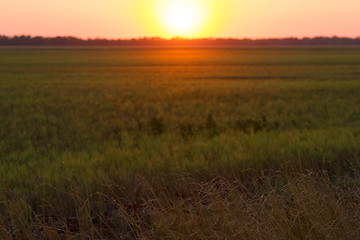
<point x="181" y="17"/>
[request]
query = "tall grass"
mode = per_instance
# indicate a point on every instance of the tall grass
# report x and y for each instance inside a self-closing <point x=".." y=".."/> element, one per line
<point x="278" y="205"/>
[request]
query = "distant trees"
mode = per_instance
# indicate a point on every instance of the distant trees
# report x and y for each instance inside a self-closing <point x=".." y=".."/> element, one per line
<point x="176" y="42"/>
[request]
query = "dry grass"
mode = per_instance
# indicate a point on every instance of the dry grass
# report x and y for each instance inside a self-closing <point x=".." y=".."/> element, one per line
<point x="272" y="206"/>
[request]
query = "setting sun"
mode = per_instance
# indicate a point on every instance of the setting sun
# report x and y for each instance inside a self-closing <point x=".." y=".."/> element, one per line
<point x="181" y="18"/>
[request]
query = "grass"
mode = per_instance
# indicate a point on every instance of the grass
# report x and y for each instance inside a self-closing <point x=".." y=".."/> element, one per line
<point x="178" y="143"/>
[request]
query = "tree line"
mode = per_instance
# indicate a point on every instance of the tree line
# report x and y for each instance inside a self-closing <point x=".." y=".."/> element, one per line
<point x="25" y="40"/>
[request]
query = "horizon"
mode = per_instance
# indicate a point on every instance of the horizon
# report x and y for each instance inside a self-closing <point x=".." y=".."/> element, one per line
<point x="195" y="19"/>
<point x="178" y="37"/>
<point x="158" y="42"/>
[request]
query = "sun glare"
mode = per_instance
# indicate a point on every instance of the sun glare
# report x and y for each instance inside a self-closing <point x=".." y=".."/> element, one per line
<point x="181" y="18"/>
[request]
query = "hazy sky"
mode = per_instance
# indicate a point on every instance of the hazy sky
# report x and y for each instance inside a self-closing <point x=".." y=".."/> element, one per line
<point x="196" y="18"/>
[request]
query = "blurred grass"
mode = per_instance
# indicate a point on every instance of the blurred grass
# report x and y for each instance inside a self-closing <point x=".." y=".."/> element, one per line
<point x="89" y="121"/>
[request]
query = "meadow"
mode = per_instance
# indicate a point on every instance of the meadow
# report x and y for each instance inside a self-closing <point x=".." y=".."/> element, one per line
<point x="257" y="143"/>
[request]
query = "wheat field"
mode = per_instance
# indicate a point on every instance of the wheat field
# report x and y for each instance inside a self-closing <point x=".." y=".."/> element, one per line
<point x="106" y="143"/>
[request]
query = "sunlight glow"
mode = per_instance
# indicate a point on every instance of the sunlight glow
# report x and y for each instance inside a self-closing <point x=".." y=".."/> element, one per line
<point x="181" y="18"/>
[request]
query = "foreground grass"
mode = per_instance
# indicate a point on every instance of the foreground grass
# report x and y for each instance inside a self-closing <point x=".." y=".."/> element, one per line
<point x="275" y="205"/>
<point x="117" y="144"/>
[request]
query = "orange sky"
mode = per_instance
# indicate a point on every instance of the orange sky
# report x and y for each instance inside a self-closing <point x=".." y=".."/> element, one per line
<point x="209" y="18"/>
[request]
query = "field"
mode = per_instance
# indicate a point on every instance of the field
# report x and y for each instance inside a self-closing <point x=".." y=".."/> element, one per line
<point x="180" y="143"/>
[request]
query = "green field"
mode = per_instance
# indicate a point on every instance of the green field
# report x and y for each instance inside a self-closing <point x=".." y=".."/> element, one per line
<point x="180" y="143"/>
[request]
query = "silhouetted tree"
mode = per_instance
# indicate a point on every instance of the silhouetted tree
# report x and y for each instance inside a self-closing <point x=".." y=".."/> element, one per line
<point x="24" y="40"/>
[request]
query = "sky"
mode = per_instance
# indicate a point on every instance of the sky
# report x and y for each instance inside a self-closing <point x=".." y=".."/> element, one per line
<point x="187" y="18"/>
